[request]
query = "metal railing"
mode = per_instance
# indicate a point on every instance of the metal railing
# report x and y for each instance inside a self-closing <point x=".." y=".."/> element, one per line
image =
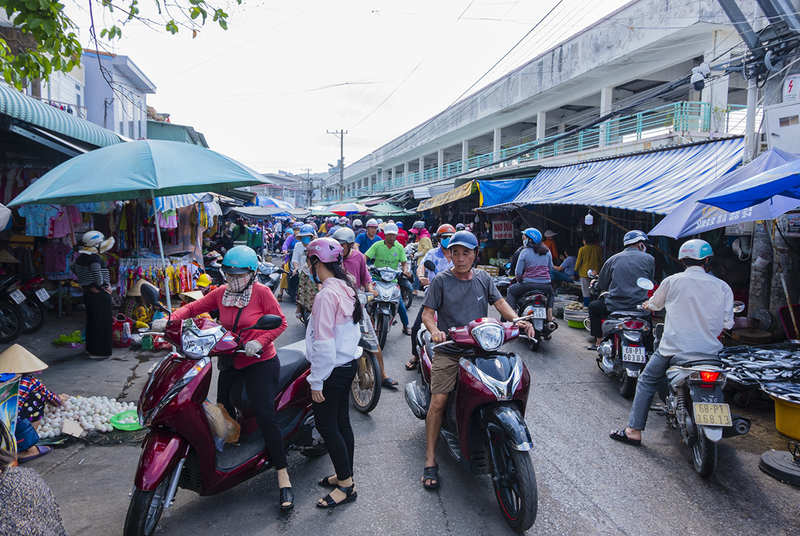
<point x="66" y="107"/>
<point x="679" y="117"/>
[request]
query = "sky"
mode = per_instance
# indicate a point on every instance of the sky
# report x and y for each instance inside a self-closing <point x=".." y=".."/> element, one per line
<point x="266" y="90"/>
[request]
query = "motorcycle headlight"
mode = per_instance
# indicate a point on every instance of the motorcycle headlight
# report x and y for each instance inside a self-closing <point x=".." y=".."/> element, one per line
<point x="489" y="336"/>
<point x="387" y="275"/>
<point x="197" y="343"/>
<point x="145" y="419"/>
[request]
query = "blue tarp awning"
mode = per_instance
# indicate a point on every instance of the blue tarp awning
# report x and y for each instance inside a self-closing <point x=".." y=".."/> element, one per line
<point x="653" y="182"/>
<point x="502" y="191"/>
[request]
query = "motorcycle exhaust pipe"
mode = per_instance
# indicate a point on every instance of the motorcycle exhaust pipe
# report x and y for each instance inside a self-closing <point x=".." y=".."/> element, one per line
<point x="741" y="426"/>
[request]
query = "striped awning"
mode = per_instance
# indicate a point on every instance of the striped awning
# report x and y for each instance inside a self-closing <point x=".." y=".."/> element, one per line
<point x="654" y="182"/>
<point x="19" y="106"/>
<point x="459" y="192"/>
<point x="172" y="202"/>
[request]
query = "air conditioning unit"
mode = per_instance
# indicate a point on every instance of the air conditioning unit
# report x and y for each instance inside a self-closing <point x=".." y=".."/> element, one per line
<point x="783" y="126"/>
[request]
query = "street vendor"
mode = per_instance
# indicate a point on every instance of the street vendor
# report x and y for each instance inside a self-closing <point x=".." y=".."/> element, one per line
<point x="95" y="279"/>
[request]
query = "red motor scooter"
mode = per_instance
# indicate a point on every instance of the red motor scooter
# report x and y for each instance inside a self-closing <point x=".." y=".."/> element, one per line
<point x="484" y="425"/>
<point x="180" y="449"/>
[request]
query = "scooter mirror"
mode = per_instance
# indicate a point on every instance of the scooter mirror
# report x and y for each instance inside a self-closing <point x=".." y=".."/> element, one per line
<point x="266" y="322"/>
<point x="507" y="266"/>
<point x="738" y="306"/>
<point x="645" y="283"/>
<point x="591" y="273"/>
<point x="149" y="292"/>
<point x="430" y="266"/>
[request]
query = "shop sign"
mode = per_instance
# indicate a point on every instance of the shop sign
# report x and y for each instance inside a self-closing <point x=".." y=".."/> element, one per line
<point x="502" y="229"/>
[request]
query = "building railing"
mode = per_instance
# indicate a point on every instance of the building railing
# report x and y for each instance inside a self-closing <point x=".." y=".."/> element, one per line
<point x="678" y="117"/>
<point x="66" y="107"/>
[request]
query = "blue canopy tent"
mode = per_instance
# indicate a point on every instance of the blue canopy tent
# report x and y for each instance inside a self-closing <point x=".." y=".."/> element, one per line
<point x="694" y="217"/>
<point x="144" y="169"/>
<point x="264" y="201"/>
<point x="777" y="189"/>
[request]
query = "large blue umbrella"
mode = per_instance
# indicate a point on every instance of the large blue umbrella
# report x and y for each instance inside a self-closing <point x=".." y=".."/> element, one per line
<point x="778" y="188"/>
<point x="693" y="217"/>
<point x="138" y="169"/>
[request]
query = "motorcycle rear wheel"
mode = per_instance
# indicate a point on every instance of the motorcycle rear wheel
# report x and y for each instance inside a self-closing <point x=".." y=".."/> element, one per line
<point x="515" y="487"/>
<point x="145" y="509"/>
<point x="704" y="455"/>
<point x="32" y="315"/>
<point x="366" y="387"/>
<point x="627" y="386"/>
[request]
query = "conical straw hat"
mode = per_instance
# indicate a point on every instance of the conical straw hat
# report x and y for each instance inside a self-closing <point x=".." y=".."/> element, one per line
<point x="18" y="360"/>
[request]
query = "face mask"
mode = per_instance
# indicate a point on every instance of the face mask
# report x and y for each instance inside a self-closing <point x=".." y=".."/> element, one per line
<point x="445" y="242"/>
<point x="238" y="283"/>
<point x="306" y="240"/>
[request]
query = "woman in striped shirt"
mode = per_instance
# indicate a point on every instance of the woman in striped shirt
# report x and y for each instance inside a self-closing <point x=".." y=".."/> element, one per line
<point x="94" y="278"/>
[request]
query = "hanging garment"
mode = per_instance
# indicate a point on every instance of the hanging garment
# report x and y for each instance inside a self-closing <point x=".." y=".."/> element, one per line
<point x="37" y="219"/>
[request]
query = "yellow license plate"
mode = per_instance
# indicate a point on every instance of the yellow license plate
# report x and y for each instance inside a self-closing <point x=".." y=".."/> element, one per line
<point x="712" y="414"/>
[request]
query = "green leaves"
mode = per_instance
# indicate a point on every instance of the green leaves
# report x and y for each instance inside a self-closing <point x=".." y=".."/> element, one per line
<point x="48" y="43"/>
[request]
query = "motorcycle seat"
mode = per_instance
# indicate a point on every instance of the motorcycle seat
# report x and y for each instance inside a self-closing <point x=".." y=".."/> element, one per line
<point x="624" y="314"/>
<point x="692" y="359"/>
<point x="293" y="363"/>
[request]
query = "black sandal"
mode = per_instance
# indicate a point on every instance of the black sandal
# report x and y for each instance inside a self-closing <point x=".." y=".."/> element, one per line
<point x="431" y="473"/>
<point x="326" y="482"/>
<point x="412" y="364"/>
<point x="622" y="437"/>
<point x="328" y="502"/>
<point x="287" y="496"/>
<point x="389" y="383"/>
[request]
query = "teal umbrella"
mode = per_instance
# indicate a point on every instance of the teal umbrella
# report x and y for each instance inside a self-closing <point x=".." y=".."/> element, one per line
<point x="138" y="170"/>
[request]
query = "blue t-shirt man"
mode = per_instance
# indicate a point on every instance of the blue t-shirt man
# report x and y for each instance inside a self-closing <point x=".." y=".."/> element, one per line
<point x="365" y="242"/>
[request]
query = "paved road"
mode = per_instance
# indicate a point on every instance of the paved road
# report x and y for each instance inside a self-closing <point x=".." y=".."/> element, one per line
<point x="587" y="483"/>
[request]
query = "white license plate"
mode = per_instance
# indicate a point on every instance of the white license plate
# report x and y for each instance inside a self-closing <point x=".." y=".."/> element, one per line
<point x="634" y="354"/>
<point x="42" y="294"/>
<point x="539" y="312"/>
<point x="17" y="296"/>
<point x="710" y="414"/>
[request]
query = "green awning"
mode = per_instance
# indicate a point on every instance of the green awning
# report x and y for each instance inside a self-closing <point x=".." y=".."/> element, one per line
<point x="387" y="209"/>
<point x="23" y="108"/>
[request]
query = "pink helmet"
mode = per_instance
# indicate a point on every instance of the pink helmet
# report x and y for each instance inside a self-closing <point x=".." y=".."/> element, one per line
<point x="325" y="249"/>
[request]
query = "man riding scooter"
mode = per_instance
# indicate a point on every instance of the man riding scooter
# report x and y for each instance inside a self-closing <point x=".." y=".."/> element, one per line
<point x="456" y="297"/>
<point x="699" y="306"/>
<point x="389" y="252"/>
<point x="618" y="276"/>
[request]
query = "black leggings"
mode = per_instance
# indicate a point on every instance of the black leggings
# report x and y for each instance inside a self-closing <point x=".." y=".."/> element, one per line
<point x="597" y="311"/>
<point x="261" y="382"/>
<point x="332" y="418"/>
<point x="414" y="331"/>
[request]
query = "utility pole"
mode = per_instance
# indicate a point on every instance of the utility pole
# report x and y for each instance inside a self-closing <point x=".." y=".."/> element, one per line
<point x="340" y="134"/>
<point x="309" y="187"/>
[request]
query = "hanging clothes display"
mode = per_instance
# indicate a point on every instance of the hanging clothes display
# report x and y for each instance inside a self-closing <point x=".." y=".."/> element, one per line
<point x="37" y="218"/>
<point x="58" y="258"/>
<point x="179" y="274"/>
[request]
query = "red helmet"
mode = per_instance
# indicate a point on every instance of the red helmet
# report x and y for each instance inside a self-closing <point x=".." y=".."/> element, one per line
<point x="445" y="229"/>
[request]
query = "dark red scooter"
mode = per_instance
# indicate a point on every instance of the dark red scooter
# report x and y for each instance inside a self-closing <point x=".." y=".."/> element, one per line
<point x="484" y="426"/>
<point x="180" y="450"/>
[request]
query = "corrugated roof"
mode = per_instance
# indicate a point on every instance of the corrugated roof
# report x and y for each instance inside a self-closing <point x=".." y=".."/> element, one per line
<point x="19" y="106"/>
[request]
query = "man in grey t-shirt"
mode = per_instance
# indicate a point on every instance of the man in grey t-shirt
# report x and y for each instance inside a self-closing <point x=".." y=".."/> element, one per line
<point x="455" y="298"/>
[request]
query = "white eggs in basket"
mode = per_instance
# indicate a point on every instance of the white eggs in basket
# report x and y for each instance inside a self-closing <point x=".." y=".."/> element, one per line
<point x="92" y="413"/>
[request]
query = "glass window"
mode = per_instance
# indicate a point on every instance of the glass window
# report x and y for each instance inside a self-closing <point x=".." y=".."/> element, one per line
<point x="122" y="128"/>
<point x="130" y="129"/>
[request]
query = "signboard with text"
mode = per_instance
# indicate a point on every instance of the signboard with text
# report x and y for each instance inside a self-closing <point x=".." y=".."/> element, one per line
<point x="502" y="229"/>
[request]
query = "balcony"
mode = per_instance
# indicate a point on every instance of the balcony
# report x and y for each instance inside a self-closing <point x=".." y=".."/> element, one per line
<point x="679" y="118"/>
<point x="66" y="107"/>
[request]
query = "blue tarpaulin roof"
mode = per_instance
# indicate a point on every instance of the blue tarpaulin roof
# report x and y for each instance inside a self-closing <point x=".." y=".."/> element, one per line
<point x="496" y="192"/>
<point x="654" y="182"/>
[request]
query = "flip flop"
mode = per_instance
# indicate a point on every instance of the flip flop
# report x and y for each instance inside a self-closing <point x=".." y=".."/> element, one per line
<point x="431" y="474"/>
<point x="43" y="451"/>
<point x="411" y="364"/>
<point x="389" y="383"/>
<point x="622" y="437"/>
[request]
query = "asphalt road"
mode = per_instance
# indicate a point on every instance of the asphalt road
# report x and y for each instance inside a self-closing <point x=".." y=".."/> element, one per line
<point x="587" y="483"/>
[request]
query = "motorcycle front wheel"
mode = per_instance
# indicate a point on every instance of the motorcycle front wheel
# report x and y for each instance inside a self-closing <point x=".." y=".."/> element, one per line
<point x="407" y="296"/>
<point x="366" y="387"/>
<point x="515" y="487"/>
<point x="382" y="329"/>
<point x="145" y="509"/>
<point x="10" y="322"/>
<point x="704" y="455"/>
<point x="32" y="314"/>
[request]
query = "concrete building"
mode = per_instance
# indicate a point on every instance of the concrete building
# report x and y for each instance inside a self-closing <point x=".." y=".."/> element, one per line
<point x="116" y="93"/>
<point x="618" y="60"/>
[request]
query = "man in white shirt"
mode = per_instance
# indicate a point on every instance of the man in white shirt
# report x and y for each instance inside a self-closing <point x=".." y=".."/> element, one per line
<point x="699" y="306"/>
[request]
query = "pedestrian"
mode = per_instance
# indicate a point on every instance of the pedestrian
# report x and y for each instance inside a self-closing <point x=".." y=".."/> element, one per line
<point x="590" y="257"/>
<point x="331" y="347"/>
<point x="550" y="244"/>
<point x="306" y="288"/>
<point x="95" y="280"/>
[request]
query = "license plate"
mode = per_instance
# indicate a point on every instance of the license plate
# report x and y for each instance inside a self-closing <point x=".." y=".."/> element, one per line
<point x="539" y="312"/>
<point x="634" y="354"/>
<point x="42" y="294"/>
<point x="17" y="296"/>
<point x="709" y="414"/>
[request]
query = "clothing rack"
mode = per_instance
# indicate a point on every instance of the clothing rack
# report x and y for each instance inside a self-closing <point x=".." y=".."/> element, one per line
<point x="181" y="273"/>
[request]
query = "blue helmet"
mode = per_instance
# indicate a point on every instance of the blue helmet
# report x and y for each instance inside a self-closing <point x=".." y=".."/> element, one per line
<point x="399" y="225"/>
<point x="533" y="234"/>
<point x="306" y="230"/>
<point x="633" y="237"/>
<point x="239" y="260"/>
<point x="695" y="249"/>
<point x="463" y="238"/>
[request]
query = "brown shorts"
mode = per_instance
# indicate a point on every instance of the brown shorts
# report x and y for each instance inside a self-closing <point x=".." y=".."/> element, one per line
<point x="444" y="373"/>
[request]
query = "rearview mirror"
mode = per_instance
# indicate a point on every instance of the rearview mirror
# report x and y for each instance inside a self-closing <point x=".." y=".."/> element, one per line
<point x="430" y="266"/>
<point x="266" y="322"/>
<point x="150" y="293"/>
<point x="645" y="283"/>
<point x="591" y="273"/>
<point x="738" y="306"/>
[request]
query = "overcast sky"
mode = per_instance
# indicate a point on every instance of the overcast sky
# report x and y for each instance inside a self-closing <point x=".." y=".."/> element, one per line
<point x="265" y="91"/>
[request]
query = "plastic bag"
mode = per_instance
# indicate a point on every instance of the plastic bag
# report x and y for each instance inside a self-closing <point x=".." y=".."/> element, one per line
<point x="221" y="423"/>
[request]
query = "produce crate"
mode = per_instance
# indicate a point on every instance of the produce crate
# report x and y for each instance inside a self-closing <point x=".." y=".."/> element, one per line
<point x="491" y="270"/>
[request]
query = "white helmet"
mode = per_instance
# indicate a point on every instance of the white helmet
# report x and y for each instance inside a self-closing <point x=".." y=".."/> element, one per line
<point x="92" y="239"/>
<point x="344" y="235"/>
<point x="372" y="222"/>
<point x="695" y="249"/>
<point x="390" y="228"/>
<point x="357" y="223"/>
